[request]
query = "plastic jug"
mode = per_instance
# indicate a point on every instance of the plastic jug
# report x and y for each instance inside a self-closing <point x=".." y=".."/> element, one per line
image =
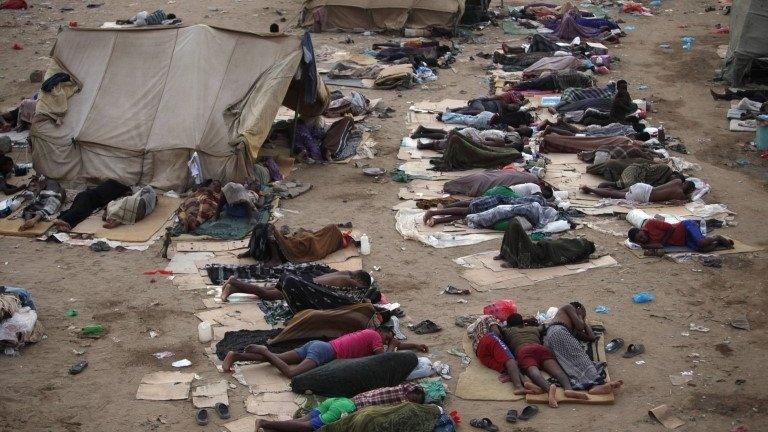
<point x="365" y="244"/>
<point x="204" y="332"/>
<point x="636" y="217"/>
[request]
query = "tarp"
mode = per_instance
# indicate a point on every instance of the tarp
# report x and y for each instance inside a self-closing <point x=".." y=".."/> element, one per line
<point x="150" y="97"/>
<point x="381" y="14"/>
<point x="749" y="40"/>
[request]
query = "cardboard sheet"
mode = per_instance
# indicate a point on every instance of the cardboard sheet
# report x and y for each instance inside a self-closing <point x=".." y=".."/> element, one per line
<point x="206" y="396"/>
<point x="245" y="316"/>
<point x="741" y="126"/>
<point x="485" y="273"/>
<point x="478" y="382"/>
<point x="184" y="262"/>
<point x="245" y="424"/>
<point x="10" y="227"/>
<point x="262" y="378"/>
<point x="210" y="246"/>
<point x="141" y="231"/>
<point x="738" y="247"/>
<point x="165" y="386"/>
<point x="663" y="414"/>
<point x="277" y="406"/>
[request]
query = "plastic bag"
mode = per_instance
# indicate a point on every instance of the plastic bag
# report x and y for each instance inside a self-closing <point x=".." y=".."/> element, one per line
<point x="501" y="309"/>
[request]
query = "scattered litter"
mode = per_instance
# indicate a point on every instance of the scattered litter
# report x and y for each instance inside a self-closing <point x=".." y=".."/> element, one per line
<point x="181" y="363"/>
<point x="458" y="352"/>
<point x="682" y="378"/>
<point x="663" y="414"/>
<point x="78" y="367"/>
<point x="71" y="313"/>
<point x="602" y="309"/>
<point x="698" y="328"/>
<point x="162" y="354"/>
<point x="425" y="327"/>
<point x="153" y="334"/>
<point x="642" y="297"/>
<point x="740" y="322"/>
<point x="450" y="289"/>
<point x="724" y="348"/>
<point x="92" y="330"/>
<point x="640" y="362"/>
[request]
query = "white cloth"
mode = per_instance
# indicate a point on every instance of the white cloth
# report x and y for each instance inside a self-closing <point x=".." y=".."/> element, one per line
<point x="526" y="189"/>
<point x="15" y="330"/>
<point x="639" y="192"/>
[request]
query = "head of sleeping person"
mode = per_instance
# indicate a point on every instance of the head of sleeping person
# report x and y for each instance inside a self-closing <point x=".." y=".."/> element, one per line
<point x="6" y="165"/>
<point x="387" y="334"/>
<point x="416" y="394"/>
<point x="637" y="236"/>
<point x="621" y="86"/>
<point x="642" y="136"/>
<point x="362" y="277"/>
<point x="688" y="187"/>
<point x="580" y="310"/>
<point x="547" y="192"/>
<point x="515" y="320"/>
<point x="525" y="131"/>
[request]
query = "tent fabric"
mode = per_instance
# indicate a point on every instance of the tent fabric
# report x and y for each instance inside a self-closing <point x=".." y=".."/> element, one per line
<point x="749" y="40"/>
<point x="381" y="15"/>
<point x="149" y="98"/>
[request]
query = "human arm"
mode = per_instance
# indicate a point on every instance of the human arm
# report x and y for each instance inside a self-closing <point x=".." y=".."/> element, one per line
<point x="579" y="325"/>
<point x="410" y="346"/>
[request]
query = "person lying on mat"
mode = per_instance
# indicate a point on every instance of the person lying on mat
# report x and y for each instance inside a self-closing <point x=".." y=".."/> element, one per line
<point x="89" y="201"/>
<point x="131" y="209"/>
<point x="493" y="353"/>
<point x="6" y="171"/>
<point x="339" y="279"/>
<point x="532" y="357"/>
<point x="519" y="251"/>
<point x="656" y="234"/>
<point x="362" y="343"/>
<point x="329" y="411"/>
<point x="334" y="408"/>
<point x="563" y="338"/>
<point x="674" y="190"/>
<point x="488" y="137"/>
<point x="48" y="197"/>
<point x="477" y="206"/>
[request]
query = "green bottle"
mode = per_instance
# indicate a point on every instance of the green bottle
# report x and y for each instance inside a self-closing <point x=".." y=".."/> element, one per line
<point x="93" y="329"/>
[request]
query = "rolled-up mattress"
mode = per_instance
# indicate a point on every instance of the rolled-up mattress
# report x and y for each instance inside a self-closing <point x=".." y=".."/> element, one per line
<point x="349" y="377"/>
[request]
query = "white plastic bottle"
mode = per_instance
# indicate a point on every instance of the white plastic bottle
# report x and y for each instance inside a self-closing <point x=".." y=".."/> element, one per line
<point x="365" y="244"/>
<point x="204" y="332"/>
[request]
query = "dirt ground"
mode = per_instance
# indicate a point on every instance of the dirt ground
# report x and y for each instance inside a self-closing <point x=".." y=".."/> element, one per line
<point x="728" y="388"/>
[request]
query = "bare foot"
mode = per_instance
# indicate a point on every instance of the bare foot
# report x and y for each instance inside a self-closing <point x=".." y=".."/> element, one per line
<point x="62" y="226"/>
<point x="229" y="359"/>
<point x="601" y="389"/>
<point x="256" y="349"/>
<point x="27" y="225"/>
<point x="498" y="257"/>
<point x="111" y="224"/>
<point x="552" y="396"/>
<point x="522" y="392"/>
<point x="226" y="289"/>
<point x="616" y="384"/>
<point x="533" y="387"/>
<point x="573" y="394"/>
<point x="428" y="219"/>
<point x="506" y="265"/>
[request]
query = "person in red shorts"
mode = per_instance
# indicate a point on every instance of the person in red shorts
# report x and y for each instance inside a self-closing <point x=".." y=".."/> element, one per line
<point x="532" y="356"/>
<point x="656" y="233"/>
<point x="493" y="353"/>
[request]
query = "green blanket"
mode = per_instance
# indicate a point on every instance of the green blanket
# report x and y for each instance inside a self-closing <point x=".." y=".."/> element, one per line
<point x="404" y="417"/>
<point x="461" y="154"/>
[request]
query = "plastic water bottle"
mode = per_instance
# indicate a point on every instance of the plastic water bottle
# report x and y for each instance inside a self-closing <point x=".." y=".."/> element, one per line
<point x="204" y="332"/>
<point x="365" y="244"/>
<point x="93" y="329"/>
<point x="655" y="4"/>
<point x="688" y="43"/>
<point x="642" y="297"/>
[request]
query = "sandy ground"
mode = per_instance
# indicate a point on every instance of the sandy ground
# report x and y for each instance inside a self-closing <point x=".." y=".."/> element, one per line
<point x="38" y="394"/>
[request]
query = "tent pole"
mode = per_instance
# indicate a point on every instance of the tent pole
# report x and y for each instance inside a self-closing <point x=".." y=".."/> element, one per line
<point x="295" y="123"/>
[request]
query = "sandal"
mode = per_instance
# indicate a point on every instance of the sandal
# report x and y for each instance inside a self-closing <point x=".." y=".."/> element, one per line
<point x="202" y="418"/>
<point x="426" y="327"/>
<point x="634" y="350"/>
<point x="222" y="410"/>
<point x="614" y="345"/>
<point x="485" y="424"/>
<point x="512" y="416"/>
<point x="528" y="413"/>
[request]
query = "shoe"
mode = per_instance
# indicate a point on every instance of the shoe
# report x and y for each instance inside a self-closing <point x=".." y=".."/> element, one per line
<point x="202" y="417"/>
<point x="222" y="410"/>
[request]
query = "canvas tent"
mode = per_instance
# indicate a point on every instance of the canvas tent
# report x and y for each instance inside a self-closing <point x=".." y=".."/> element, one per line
<point x="148" y="98"/>
<point x="747" y="58"/>
<point x="381" y="14"/>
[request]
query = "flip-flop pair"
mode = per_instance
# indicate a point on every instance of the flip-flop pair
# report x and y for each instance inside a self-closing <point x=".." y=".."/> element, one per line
<point x="632" y="349"/>
<point x="528" y="413"/>
<point x="202" y="417"/>
<point x="484" y="424"/>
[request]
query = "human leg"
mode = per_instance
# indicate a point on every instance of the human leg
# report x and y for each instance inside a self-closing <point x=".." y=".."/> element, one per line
<point x="451" y="214"/>
<point x="605" y="193"/>
<point x="285" y="425"/>
<point x="286" y="369"/>
<point x="232" y="357"/>
<point x="29" y="223"/>
<point x="233" y="285"/>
